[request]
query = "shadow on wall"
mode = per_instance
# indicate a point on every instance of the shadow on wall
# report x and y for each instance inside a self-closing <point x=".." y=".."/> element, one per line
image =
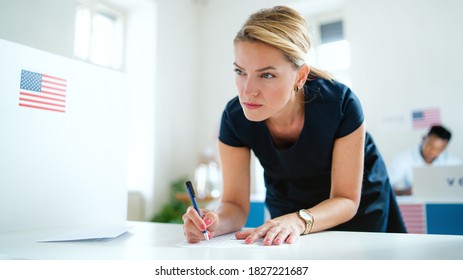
<point x="135" y="206"/>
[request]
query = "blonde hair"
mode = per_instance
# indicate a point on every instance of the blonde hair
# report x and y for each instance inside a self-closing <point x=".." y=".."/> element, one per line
<point x="284" y="29"/>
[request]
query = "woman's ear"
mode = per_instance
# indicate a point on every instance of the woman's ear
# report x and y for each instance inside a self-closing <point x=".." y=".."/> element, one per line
<point x="302" y="74"/>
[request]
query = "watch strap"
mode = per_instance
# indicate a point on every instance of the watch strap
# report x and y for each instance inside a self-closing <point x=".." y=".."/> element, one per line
<point x="308" y="222"/>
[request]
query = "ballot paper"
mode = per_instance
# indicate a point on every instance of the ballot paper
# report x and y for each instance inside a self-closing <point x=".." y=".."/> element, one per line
<point x="94" y="233"/>
<point x="229" y="241"/>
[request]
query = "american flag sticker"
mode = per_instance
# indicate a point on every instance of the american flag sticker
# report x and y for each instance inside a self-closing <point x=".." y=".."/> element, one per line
<point x="414" y="216"/>
<point x="426" y="118"/>
<point x="41" y="91"/>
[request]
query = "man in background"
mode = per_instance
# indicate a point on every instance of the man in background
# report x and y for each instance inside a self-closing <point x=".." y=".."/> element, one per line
<point x="430" y="152"/>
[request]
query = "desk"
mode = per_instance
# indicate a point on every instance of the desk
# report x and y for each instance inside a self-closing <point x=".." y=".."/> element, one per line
<point x="156" y="241"/>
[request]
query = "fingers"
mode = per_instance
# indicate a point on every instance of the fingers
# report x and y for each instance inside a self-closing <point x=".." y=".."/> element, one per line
<point x="275" y="236"/>
<point x="194" y="225"/>
<point x="192" y="234"/>
<point x="211" y="220"/>
<point x="192" y="215"/>
<point x="271" y="233"/>
<point x="243" y="234"/>
<point x="292" y="238"/>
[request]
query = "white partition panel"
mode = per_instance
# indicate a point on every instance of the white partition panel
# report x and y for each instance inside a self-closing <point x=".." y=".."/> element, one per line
<point x="65" y="167"/>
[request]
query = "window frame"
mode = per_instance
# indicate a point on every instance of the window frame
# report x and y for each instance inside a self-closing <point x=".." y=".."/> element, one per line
<point x="87" y="50"/>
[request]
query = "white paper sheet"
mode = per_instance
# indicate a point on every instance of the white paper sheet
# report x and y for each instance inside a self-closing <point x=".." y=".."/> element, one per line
<point x="229" y="241"/>
<point x="100" y="233"/>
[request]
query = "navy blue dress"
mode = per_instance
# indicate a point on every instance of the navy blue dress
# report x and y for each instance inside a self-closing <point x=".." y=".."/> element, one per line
<point x="300" y="176"/>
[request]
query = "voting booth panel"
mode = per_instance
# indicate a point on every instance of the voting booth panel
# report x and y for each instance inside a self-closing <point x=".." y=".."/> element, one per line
<point x="436" y="206"/>
<point x="63" y="145"/>
<point x="438" y="183"/>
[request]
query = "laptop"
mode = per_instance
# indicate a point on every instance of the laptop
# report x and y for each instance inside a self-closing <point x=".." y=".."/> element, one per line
<point x="438" y="184"/>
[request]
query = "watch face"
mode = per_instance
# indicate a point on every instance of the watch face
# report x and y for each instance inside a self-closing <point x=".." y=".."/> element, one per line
<point x="305" y="215"/>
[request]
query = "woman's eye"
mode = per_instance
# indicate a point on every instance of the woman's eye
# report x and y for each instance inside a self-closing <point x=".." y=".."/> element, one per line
<point x="238" y="71"/>
<point x="267" y="76"/>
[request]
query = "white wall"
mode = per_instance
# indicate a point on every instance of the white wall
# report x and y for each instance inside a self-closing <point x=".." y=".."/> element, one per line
<point x="141" y="71"/>
<point x="43" y="24"/>
<point x="406" y="55"/>
<point x="177" y="103"/>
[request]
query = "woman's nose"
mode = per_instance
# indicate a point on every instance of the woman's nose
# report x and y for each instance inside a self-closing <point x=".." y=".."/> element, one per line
<point x="250" y="88"/>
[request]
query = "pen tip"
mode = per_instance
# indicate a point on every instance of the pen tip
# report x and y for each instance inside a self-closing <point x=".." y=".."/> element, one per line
<point x="206" y="236"/>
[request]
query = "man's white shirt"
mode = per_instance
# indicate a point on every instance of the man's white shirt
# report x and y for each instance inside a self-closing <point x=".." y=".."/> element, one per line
<point x="401" y="168"/>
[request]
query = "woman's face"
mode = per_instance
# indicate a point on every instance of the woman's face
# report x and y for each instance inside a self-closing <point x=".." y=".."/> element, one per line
<point x="265" y="79"/>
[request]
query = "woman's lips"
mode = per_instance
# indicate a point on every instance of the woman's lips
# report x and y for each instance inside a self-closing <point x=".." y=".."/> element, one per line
<point x="251" y="106"/>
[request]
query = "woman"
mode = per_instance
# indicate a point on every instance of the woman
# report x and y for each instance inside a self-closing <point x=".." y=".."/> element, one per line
<point x="322" y="170"/>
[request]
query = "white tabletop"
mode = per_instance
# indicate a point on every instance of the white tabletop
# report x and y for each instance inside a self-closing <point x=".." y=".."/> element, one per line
<point x="157" y="241"/>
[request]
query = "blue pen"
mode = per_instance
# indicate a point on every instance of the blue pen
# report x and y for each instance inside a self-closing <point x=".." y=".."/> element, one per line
<point x="191" y="193"/>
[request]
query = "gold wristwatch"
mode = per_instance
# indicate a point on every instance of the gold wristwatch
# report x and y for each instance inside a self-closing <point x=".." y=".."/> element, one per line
<point x="307" y="218"/>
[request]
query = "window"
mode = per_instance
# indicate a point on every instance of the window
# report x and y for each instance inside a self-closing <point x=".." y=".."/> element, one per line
<point x="99" y="35"/>
<point x="333" y="53"/>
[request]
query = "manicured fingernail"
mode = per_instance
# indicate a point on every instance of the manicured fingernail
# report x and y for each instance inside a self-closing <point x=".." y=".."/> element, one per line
<point x="277" y="241"/>
<point x="267" y="241"/>
<point x="202" y="227"/>
<point x="248" y="240"/>
<point x="208" y="222"/>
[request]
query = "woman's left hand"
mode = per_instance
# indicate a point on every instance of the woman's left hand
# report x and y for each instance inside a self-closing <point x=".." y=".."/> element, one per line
<point x="286" y="228"/>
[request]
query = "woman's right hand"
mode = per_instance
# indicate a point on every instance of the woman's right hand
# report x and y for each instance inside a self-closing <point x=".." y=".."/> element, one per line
<point x="194" y="225"/>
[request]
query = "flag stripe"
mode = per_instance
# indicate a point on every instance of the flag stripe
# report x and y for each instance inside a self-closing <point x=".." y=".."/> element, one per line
<point x="55" y="78"/>
<point x="40" y="107"/>
<point x="54" y="93"/>
<point x="414" y="217"/>
<point x="43" y="97"/>
<point x="41" y="102"/>
<point x="54" y="83"/>
<point x="53" y="88"/>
